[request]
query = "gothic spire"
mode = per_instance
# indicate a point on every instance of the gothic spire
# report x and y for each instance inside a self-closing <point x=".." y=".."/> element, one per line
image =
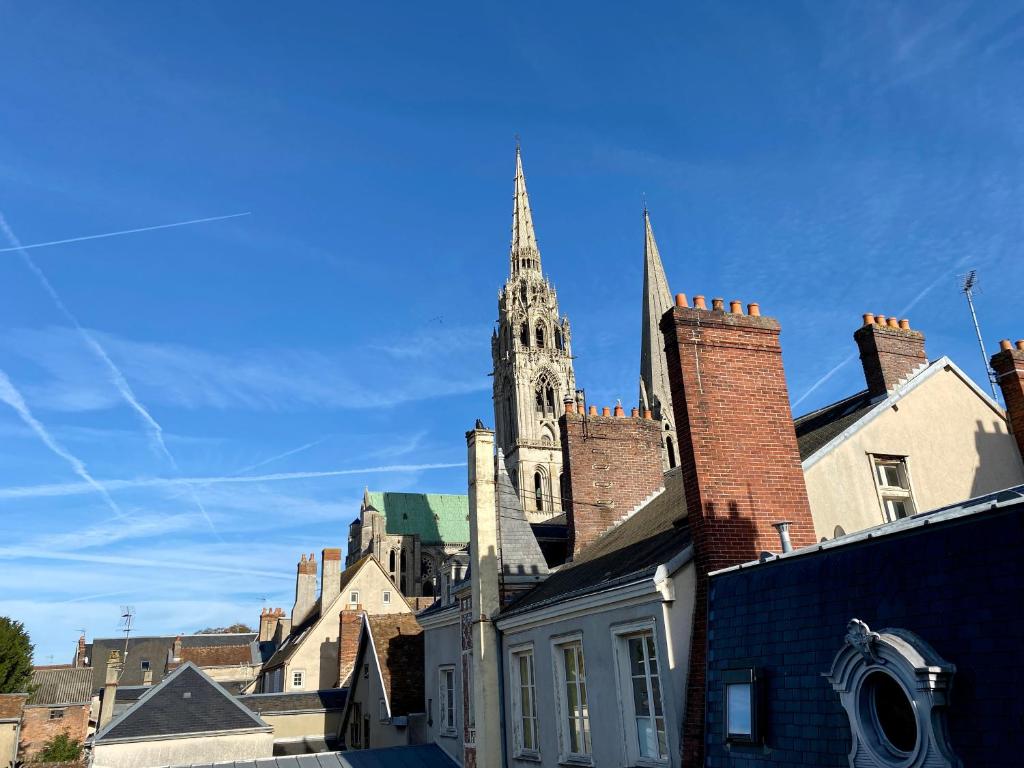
<point x="524" y="253"/>
<point x="657" y="301"/>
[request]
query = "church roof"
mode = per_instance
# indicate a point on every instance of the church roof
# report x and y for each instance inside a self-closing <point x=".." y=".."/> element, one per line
<point x="437" y="518"/>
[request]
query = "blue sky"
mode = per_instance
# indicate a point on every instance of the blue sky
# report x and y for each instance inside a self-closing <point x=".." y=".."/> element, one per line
<point x="232" y="384"/>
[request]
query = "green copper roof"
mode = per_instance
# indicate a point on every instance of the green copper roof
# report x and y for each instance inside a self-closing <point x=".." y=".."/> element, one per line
<point x="437" y="518"/>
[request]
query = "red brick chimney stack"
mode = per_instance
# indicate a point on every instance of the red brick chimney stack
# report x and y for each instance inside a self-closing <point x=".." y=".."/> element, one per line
<point x="738" y="454"/>
<point x="613" y="463"/>
<point x="890" y="350"/>
<point x="350" y="626"/>
<point x="1008" y="364"/>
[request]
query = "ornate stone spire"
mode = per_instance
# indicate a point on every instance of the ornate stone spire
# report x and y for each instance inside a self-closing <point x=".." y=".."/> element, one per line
<point x="657" y="300"/>
<point x="523" y="253"/>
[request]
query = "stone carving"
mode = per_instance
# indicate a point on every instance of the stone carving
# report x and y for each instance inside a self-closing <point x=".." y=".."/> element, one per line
<point x="860" y="636"/>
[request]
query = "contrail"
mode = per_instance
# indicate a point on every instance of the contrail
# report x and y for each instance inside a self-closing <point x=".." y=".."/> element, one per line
<point x="280" y="456"/>
<point x="117" y="378"/>
<point x="123" y="232"/>
<point x="75" y="489"/>
<point x="913" y="303"/>
<point x="13" y="398"/>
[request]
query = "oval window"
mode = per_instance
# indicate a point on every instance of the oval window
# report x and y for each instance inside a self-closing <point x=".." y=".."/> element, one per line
<point x="889" y="713"/>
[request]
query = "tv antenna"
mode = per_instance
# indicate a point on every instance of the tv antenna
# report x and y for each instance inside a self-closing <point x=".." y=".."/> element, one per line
<point x="127" y="621"/>
<point x="968" y="285"/>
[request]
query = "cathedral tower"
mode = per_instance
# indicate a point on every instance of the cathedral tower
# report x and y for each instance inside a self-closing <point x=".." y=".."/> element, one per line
<point x="533" y="372"/>
<point x="655" y="394"/>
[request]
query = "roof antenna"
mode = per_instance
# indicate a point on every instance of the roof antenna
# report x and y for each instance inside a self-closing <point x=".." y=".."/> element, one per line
<point x="968" y="285"/>
<point x="127" y="620"/>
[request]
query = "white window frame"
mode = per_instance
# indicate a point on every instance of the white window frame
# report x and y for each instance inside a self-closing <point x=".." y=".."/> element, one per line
<point x="385" y="597"/>
<point x="301" y="675"/>
<point x="624" y="688"/>
<point x="446" y="700"/>
<point x="353" y="597"/>
<point x="886" y="492"/>
<point x="515" y="653"/>
<point x="565" y="753"/>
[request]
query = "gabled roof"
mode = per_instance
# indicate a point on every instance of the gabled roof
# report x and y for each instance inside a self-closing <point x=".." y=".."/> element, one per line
<point x="298" y="701"/>
<point x="421" y="756"/>
<point x="632" y="551"/>
<point x="397" y="642"/>
<point x="186" y="702"/>
<point x="820" y="431"/>
<point x="437" y="518"/>
<point x="66" y="686"/>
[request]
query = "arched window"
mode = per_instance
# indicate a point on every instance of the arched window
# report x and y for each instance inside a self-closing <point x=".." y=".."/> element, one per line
<point x="392" y="562"/>
<point x="563" y="489"/>
<point x="544" y="395"/>
<point x="538" y="490"/>
<point x="406" y="583"/>
<point x="524" y="335"/>
<point x="540" y="336"/>
<point x="558" y="339"/>
<point x="671" y="451"/>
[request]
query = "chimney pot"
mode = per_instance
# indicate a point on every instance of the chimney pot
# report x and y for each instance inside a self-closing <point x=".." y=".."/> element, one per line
<point x="879" y="319"/>
<point x="905" y="324"/>
<point x="1020" y="343"/>
<point x="593" y="410"/>
<point x="681" y="300"/>
<point x="894" y="323"/>
<point x="698" y="302"/>
<point x="754" y="309"/>
<point x="736" y="307"/>
<point x="619" y="412"/>
<point x="718" y="304"/>
<point x="869" y="318"/>
<point x="606" y="411"/>
<point x="635" y="413"/>
<point x="1005" y="344"/>
<point x="647" y="414"/>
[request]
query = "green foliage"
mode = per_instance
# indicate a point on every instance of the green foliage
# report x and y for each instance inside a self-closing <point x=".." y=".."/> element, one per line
<point x="60" y="749"/>
<point x="234" y="628"/>
<point x="15" y="656"/>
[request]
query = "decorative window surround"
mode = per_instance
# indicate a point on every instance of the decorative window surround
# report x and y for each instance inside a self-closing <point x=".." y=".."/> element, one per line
<point x="894" y="688"/>
<point x="446" y="699"/>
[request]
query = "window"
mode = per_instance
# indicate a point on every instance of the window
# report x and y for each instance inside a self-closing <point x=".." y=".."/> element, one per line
<point x="894" y="688"/>
<point x="354" y="726"/>
<point x="574" y="713"/>
<point x="145" y="665"/>
<point x="558" y="339"/>
<point x="538" y="491"/>
<point x="56" y="714"/>
<point x="393" y="566"/>
<point x="524" y="703"/>
<point x="386" y="597"/>
<point x="446" y="699"/>
<point x="382" y="710"/>
<point x="893" y="483"/>
<point x="740" y="715"/>
<point x="297" y="678"/>
<point x="544" y="395"/>
<point x="639" y="686"/>
<point x="671" y="449"/>
<point x="524" y="335"/>
<point x="540" y="336"/>
<point x="353" y="597"/>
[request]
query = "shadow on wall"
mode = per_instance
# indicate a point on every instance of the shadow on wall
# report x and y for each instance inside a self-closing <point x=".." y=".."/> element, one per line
<point x="996" y="461"/>
<point x="328" y="665"/>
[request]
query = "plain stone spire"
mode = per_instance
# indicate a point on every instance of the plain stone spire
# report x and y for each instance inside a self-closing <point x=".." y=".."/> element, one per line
<point x="524" y="253"/>
<point x="657" y="300"/>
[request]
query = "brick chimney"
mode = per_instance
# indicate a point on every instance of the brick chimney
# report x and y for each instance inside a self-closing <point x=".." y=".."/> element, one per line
<point x="738" y="454"/>
<point x="305" y="589"/>
<point x="1008" y="364"/>
<point x="176" y="650"/>
<point x="330" y="576"/>
<point x="613" y="464"/>
<point x="268" y="622"/>
<point x="81" y="659"/>
<point x="890" y="350"/>
<point x="110" y="688"/>
<point x="350" y="627"/>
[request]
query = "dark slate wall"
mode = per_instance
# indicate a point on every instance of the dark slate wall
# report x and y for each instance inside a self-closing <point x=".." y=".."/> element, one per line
<point x="959" y="585"/>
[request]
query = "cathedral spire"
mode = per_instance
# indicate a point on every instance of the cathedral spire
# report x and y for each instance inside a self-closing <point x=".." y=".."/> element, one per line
<point x="657" y="300"/>
<point x="524" y="253"/>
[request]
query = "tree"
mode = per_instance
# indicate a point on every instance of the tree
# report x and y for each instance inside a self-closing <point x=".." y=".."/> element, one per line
<point x="60" y="749"/>
<point x="15" y="656"/>
<point x="233" y="629"/>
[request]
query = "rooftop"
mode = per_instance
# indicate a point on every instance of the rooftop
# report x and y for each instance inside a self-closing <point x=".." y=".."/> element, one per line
<point x="299" y="701"/>
<point x="436" y="518"/>
<point x="422" y="756"/>
<point x="61" y="686"/>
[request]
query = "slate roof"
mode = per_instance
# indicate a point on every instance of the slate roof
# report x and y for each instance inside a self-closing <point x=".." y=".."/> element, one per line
<point x="437" y="518"/>
<point x="520" y="554"/>
<point x="186" y="702"/>
<point x="630" y="552"/>
<point x="398" y="642"/>
<point x="67" y="686"/>
<point x="421" y="756"/>
<point x="815" y="429"/>
<point x="300" y="701"/>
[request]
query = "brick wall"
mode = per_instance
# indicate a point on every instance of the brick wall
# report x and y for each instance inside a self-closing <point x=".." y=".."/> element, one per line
<point x="738" y="454"/>
<point x="890" y="350"/>
<point x="349" y="627"/>
<point x="1008" y="365"/>
<point x="949" y="583"/>
<point x="37" y="728"/>
<point x="613" y="463"/>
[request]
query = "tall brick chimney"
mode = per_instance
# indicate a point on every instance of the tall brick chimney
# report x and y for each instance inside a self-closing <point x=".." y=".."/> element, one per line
<point x="349" y="628"/>
<point x="81" y="658"/>
<point x="1008" y="364"/>
<point x="613" y="463"/>
<point x="738" y="453"/>
<point x="330" y="576"/>
<point x="110" y="688"/>
<point x="890" y="350"/>
<point x="305" y="589"/>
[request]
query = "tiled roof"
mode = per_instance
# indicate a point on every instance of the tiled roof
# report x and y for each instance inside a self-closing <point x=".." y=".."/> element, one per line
<point x="629" y="552"/>
<point x="217" y="655"/>
<point x="217" y="640"/>
<point x="422" y="756"/>
<point x="61" y="686"/>
<point x="815" y="429"/>
<point x="436" y="518"/>
<point x="398" y="641"/>
<point x="11" y="705"/>
<point x="186" y="702"/>
<point x="300" y="701"/>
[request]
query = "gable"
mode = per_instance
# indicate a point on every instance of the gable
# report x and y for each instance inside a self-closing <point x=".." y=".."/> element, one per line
<point x="186" y="702"/>
<point x="436" y="518"/>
